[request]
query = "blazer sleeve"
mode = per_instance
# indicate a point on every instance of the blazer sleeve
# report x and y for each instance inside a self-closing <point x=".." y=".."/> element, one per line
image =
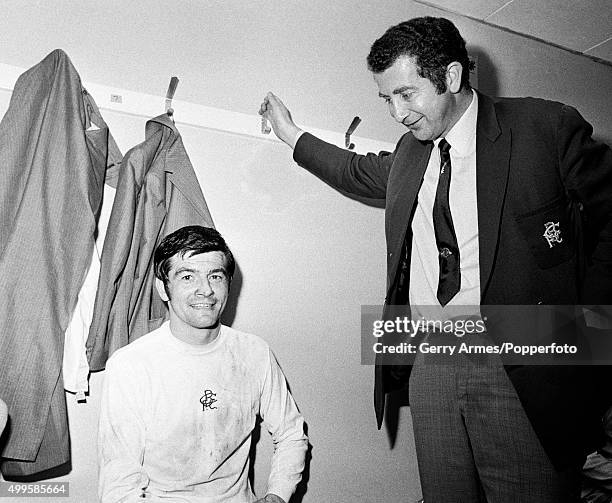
<point x="360" y="175"/>
<point x="586" y="168"/>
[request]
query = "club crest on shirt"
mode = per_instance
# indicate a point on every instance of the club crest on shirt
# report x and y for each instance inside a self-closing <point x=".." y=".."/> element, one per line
<point x="208" y="399"/>
<point x="552" y="233"/>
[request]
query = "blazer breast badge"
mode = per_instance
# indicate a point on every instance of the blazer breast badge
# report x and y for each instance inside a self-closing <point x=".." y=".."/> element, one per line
<point x="552" y="233"/>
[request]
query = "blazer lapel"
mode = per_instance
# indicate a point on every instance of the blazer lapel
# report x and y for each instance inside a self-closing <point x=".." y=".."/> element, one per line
<point x="406" y="183"/>
<point x="492" y="168"/>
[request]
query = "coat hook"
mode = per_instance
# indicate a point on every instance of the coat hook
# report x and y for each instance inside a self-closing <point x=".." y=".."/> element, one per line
<point x="170" y="94"/>
<point x="349" y="132"/>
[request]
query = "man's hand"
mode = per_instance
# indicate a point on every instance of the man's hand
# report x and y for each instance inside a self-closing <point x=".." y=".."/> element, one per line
<point x="275" y="111"/>
<point x="270" y="498"/>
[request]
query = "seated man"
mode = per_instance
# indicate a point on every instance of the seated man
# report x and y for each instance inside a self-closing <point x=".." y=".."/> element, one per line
<point x="179" y="404"/>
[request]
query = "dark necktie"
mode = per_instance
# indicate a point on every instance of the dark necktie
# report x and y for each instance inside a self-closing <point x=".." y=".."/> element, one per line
<point x="449" y="281"/>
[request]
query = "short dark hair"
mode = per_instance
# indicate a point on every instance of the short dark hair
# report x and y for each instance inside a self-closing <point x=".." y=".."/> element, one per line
<point x="433" y="42"/>
<point x="193" y="239"/>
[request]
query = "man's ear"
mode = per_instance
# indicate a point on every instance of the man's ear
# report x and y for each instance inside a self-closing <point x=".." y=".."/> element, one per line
<point x="454" y="71"/>
<point x="161" y="290"/>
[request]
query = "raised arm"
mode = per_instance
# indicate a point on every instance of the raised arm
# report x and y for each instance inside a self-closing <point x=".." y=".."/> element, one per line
<point x="361" y="175"/>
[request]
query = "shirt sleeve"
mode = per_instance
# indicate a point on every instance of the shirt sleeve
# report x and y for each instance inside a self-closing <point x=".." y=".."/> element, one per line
<point x="121" y="437"/>
<point x="283" y="420"/>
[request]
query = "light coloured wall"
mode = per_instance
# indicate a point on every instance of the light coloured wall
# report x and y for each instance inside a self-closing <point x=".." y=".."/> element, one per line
<point x="228" y="54"/>
<point x="309" y="258"/>
<point x="312" y="53"/>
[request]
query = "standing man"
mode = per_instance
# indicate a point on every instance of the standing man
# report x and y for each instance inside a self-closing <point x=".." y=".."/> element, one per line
<point x="179" y="404"/>
<point x="482" y="432"/>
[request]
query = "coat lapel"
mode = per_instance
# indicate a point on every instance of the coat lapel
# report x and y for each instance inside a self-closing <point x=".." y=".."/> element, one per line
<point x="406" y="182"/>
<point x="183" y="178"/>
<point x="492" y="168"/>
<point x="180" y="172"/>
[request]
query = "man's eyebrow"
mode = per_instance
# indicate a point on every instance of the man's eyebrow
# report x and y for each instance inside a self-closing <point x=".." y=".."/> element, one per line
<point x="398" y="90"/>
<point x="181" y="270"/>
<point x="219" y="269"/>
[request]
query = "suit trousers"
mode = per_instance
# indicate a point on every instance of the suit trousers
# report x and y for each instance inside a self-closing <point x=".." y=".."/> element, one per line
<point x="473" y="440"/>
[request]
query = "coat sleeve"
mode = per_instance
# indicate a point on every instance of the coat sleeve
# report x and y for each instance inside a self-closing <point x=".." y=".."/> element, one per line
<point x="586" y="168"/>
<point x="283" y="420"/>
<point x="360" y="175"/>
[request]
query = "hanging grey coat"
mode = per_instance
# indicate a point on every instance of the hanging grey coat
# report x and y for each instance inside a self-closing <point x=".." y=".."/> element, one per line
<point x="55" y="151"/>
<point x="157" y="193"/>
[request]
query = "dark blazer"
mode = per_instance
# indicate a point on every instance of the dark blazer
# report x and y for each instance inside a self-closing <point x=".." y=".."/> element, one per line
<point x="55" y="155"/>
<point x="535" y="161"/>
<point x="157" y="193"/>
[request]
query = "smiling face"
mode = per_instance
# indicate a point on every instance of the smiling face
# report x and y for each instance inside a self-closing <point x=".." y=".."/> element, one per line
<point x="196" y="291"/>
<point x="414" y="101"/>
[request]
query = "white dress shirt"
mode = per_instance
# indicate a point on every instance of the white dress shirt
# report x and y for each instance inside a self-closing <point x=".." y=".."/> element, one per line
<point x="424" y="266"/>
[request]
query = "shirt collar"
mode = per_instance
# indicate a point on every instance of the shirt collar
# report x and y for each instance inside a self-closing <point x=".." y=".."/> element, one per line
<point x="462" y="134"/>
